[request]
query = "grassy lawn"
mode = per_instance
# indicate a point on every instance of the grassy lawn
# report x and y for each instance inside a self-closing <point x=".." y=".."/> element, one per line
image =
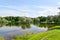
<point x="53" y="34"/>
<point x="50" y="35"/>
<point x="24" y="37"/>
<point x="1" y="38"/>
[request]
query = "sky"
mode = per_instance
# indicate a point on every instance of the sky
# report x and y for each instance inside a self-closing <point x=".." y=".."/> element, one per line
<point x="29" y="8"/>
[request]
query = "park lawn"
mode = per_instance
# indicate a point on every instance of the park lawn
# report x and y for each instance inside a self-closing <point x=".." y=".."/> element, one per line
<point x="48" y="35"/>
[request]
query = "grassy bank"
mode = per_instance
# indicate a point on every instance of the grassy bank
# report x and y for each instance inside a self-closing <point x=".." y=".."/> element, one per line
<point x="53" y="34"/>
<point x="1" y="38"/>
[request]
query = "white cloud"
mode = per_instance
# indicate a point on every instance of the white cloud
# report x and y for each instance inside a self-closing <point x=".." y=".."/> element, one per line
<point x="58" y="3"/>
<point x="21" y="11"/>
<point x="47" y="11"/>
<point x="19" y="8"/>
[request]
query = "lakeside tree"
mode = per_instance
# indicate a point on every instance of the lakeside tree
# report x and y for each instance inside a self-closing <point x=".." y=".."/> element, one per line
<point x="17" y="20"/>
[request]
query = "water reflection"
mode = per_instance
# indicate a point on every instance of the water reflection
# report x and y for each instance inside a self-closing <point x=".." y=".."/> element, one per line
<point x="12" y="30"/>
<point x="49" y="25"/>
<point x="20" y="29"/>
<point x="24" y="26"/>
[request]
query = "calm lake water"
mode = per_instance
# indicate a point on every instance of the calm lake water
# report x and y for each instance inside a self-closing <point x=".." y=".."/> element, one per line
<point x="9" y="31"/>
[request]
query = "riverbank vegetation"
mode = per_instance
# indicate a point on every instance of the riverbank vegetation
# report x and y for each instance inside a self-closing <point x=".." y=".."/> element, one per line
<point x="11" y="20"/>
<point x="48" y="35"/>
<point x="52" y="22"/>
<point x="28" y="20"/>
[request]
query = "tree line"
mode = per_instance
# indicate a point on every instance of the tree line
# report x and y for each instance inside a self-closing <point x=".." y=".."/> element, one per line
<point x="28" y="20"/>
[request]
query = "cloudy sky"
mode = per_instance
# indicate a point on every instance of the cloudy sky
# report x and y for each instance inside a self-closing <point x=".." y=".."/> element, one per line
<point x="29" y="8"/>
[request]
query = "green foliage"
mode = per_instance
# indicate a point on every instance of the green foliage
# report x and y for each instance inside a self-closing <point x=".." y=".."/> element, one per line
<point x="3" y="20"/>
<point x="26" y="20"/>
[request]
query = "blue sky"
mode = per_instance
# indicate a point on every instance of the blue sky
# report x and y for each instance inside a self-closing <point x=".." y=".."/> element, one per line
<point x="29" y="8"/>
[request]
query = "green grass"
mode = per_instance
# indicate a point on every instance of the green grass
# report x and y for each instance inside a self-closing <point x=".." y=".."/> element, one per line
<point x="1" y="38"/>
<point x="56" y="27"/>
<point x="46" y="35"/>
<point x="52" y="34"/>
<point x="24" y="37"/>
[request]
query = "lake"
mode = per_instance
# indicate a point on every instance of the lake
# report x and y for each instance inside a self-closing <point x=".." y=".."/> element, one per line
<point x="9" y="31"/>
